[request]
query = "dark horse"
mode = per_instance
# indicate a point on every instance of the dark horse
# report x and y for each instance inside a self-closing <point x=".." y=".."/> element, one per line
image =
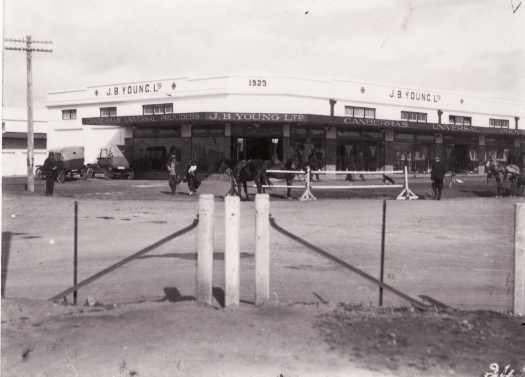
<point x="241" y="172"/>
<point x="244" y="171"/>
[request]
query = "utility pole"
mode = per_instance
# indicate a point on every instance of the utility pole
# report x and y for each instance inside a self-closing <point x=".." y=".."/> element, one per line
<point x="30" y="137"/>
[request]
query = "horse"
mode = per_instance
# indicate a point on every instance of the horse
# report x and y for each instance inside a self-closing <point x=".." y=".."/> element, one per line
<point x="241" y="172"/>
<point x="496" y="171"/>
<point x="516" y="179"/>
<point x="290" y="164"/>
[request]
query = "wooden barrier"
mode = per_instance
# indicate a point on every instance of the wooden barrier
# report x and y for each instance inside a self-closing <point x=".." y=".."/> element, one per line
<point x="232" y="212"/>
<point x="519" y="260"/>
<point x="262" y="248"/>
<point x="405" y="194"/>
<point x="205" y="245"/>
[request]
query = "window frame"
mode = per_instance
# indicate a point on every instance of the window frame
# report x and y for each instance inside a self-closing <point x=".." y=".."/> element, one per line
<point x="350" y="111"/>
<point x="414" y="116"/>
<point x="158" y="108"/>
<point x="499" y="123"/>
<point x="461" y="120"/>
<point x="110" y="113"/>
<point x="72" y="114"/>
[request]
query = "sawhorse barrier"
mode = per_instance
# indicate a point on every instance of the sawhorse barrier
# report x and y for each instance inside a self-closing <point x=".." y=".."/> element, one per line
<point x="405" y="194"/>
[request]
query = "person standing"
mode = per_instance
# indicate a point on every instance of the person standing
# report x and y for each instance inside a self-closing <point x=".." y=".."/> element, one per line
<point x="172" y="174"/>
<point x="437" y="175"/>
<point x="192" y="178"/>
<point x="50" y="170"/>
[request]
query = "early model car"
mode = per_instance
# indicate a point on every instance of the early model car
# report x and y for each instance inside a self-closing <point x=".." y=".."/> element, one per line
<point x="111" y="162"/>
<point x="69" y="160"/>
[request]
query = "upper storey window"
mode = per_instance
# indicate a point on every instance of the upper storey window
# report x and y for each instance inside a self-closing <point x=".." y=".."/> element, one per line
<point x="360" y="112"/>
<point x="412" y="116"/>
<point x="499" y="123"/>
<point x="161" y="108"/>
<point x="106" y="112"/>
<point x="462" y="120"/>
<point x="69" y="114"/>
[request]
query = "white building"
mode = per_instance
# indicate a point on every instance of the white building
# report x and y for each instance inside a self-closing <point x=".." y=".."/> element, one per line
<point x="14" y="140"/>
<point x="352" y="124"/>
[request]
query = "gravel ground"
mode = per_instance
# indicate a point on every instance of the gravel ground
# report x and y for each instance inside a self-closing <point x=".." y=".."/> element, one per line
<point x="145" y="322"/>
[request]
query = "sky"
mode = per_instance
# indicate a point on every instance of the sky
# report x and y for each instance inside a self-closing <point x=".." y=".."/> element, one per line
<point x="473" y="46"/>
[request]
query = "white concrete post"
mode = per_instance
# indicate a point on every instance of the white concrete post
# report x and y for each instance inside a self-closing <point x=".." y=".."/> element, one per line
<point x="232" y="213"/>
<point x="205" y="249"/>
<point x="262" y="248"/>
<point x="519" y="260"/>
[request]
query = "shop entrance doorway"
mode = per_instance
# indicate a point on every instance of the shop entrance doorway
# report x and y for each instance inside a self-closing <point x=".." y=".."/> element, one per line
<point x="459" y="158"/>
<point x="360" y="155"/>
<point x="263" y="148"/>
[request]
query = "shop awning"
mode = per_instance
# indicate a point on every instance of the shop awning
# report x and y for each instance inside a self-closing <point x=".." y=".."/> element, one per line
<point x="292" y="118"/>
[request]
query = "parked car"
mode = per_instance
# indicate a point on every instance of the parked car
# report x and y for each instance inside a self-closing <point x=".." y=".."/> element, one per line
<point x="70" y="161"/>
<point x="111" y="162"/>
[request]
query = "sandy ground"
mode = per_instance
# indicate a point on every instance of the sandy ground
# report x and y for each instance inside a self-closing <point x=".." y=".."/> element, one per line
<point x="145" y="322"/>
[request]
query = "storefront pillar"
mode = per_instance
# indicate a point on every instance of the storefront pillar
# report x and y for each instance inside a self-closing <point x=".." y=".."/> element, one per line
<point x="516" y="151"/>
<point x="331" y="149"/>
<point x="227" y="140"/>
<point x="390" y="153"/>
<point x="522" y="153"/>
<point x="482" y="152"/>
<point x="185" y="133"/>
<point x="439" y="149"/>
<point x="286" y="142"/>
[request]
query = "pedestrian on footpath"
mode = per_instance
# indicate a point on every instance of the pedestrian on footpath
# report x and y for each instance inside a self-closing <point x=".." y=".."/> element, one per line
<point x="50" y="170"/>
<point x="437" y="175"/>
<point x="173" y="180"/>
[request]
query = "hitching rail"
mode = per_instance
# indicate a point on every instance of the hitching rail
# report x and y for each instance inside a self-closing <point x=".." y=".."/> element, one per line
<point x="107" y="270"/>
<point x="405" y="194"/>
<point x="333" y="258"/>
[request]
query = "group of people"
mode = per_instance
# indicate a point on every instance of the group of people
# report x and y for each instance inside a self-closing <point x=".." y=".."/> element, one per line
<point x="187" y="174"/>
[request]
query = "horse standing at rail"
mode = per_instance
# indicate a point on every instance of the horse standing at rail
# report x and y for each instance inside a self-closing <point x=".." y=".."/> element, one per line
<point x="244" y="171"/>
<point x="501" y="173"/>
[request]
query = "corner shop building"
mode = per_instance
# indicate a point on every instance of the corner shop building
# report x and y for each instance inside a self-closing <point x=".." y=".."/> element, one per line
<point x="353" y="125"/>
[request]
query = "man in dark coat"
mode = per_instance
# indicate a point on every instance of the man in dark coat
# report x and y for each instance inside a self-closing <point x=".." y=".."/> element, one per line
<point x="50" y="170"/>
<point x="437" y="175"/>
<point x="173" y="179"/>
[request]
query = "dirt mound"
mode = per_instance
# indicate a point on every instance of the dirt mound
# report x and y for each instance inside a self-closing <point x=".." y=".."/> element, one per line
<point x="453" y="342"/>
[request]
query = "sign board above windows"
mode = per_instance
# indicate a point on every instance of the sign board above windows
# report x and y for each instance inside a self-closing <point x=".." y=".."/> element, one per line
<point x="307" y="131"/>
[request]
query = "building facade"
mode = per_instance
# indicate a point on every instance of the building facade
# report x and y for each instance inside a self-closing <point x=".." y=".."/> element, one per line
<point x="14" y="140"/>
<point x="349" y="125"/>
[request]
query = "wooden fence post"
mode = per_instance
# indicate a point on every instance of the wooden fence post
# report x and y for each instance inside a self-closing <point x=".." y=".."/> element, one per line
<point x="262" y="248"/>
<point x="205" y="249"/>
<point x="519" y="260"/>
<point x="232" y="212"/>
